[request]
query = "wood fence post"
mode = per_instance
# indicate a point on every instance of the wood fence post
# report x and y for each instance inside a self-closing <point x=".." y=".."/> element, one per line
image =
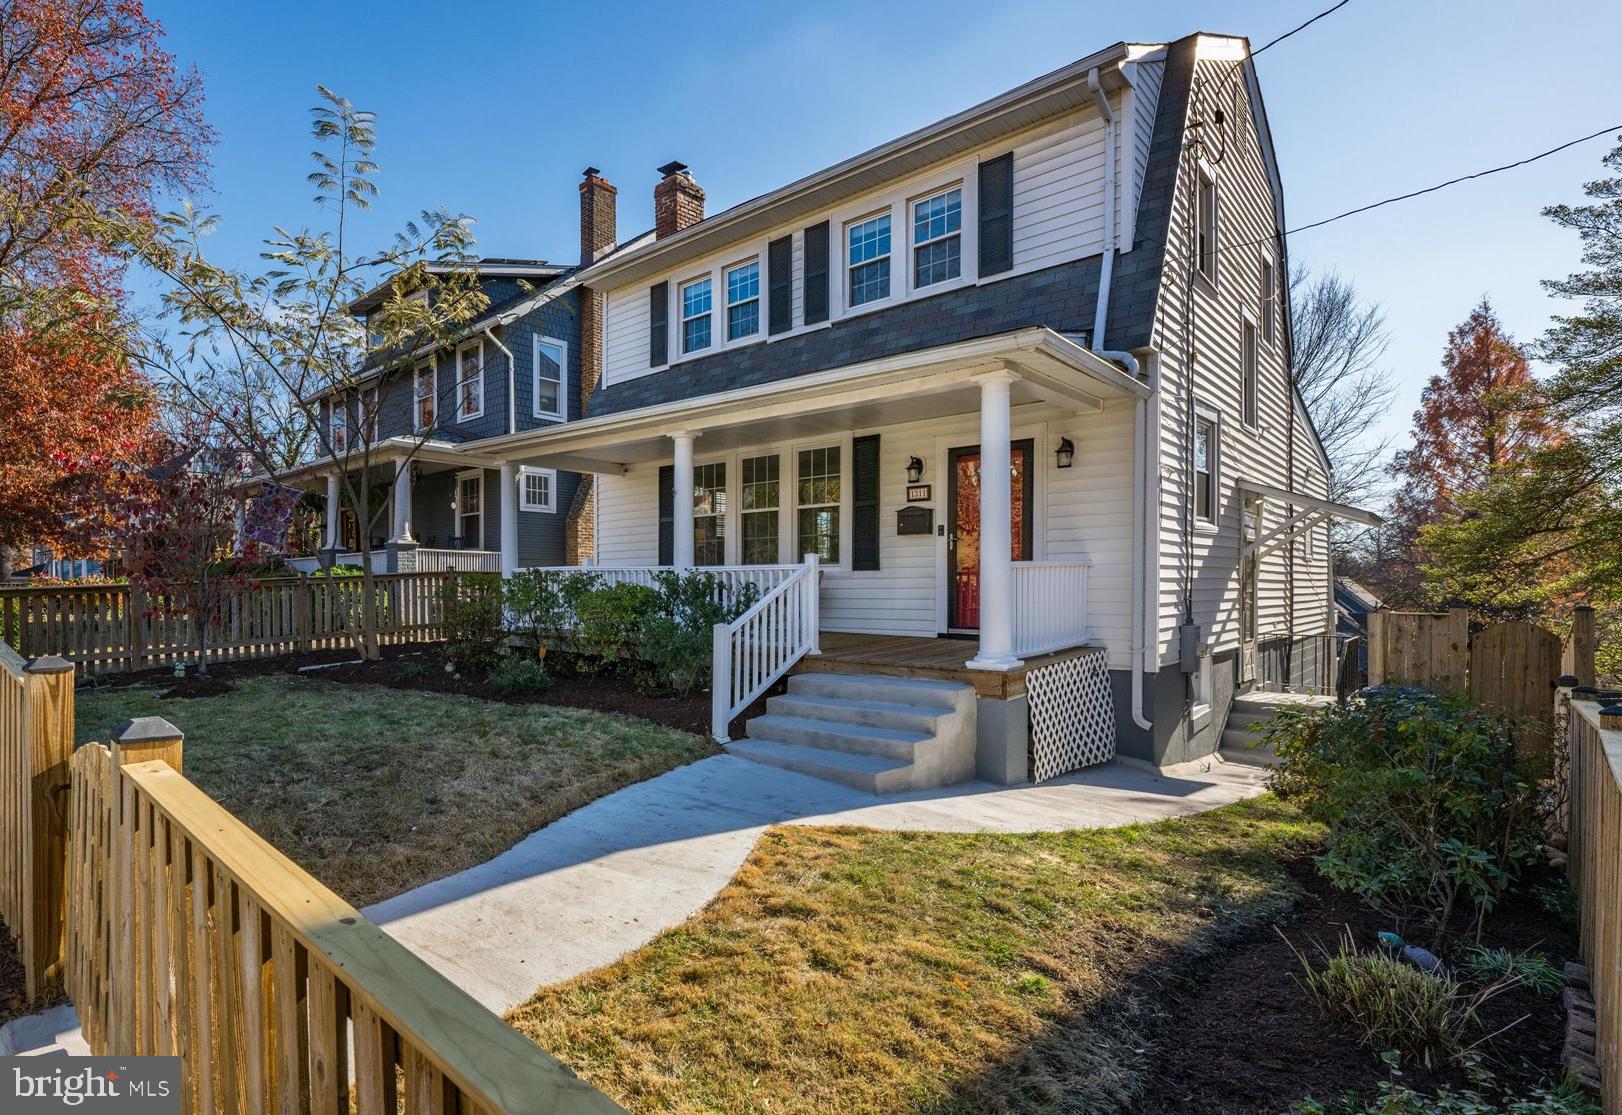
<point x="145" y="739"/>
<point x="50" y="744"/>
<point x="1378" y="620"/>
<point x="135" y="606"/>
<point x="1580" y="647"/>
<point x="302" y="627"/>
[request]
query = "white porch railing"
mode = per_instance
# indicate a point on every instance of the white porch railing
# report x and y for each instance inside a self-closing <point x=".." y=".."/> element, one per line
<point x="457" y="561"/>
<point x="309" y="563"/>
<point x="766" y="577"/>
<point x="758" y="647"/>
<point x="1050" y="606"/>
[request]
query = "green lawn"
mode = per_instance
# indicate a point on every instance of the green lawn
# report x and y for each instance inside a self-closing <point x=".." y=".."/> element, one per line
<point x="848" y="970"/>
<point x="376" y="791"/>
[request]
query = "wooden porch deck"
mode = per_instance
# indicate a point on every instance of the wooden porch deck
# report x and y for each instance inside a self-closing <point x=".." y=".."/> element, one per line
<point x="907" y="656"/>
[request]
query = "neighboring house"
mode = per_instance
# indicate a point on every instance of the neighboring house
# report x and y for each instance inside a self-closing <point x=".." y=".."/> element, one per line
<point x="447" y="504"/>
<point x="1353" y="606"/>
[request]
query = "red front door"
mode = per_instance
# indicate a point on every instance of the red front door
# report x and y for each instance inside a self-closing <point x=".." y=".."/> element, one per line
<point x="963" y="528"/>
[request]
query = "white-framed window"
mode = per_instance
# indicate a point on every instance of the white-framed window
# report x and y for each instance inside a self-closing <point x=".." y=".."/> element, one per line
<point x="537" y="489"/>
<point x="937" y="240"/>
<point x="470" y="509"/>
<point x="425" y="389"/>
<point x="696" y="299"/>
<point x="743" y="300"/>
<point x="1200" y="682"/>
<point x="760" y="499"/>
<point x="1250" y="370"/>
<point x="1266" y="298"/>
<point x="817" y="502"/>
<point x="1205" y="224"/>
<point x="338" y="425"/>
<point x="1207" y="466"/>
<point x="710" y="513"/>
<point x="867" y="245"/>
<point x="470" y="381"/>
<point x="551" y="377"/>
<point x="370" y="404"/>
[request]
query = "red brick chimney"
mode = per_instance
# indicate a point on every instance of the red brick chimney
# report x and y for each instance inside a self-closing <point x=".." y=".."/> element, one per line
<point x="598" y="199"/>
<point x="677" y="201"/>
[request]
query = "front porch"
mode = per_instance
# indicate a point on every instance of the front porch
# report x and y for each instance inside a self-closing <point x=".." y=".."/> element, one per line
<point x="941" y="659"/>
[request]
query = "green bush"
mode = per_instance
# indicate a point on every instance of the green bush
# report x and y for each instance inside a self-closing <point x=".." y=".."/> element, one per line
<point x="1531" y="968"/>
<point x="678" y="636"/>
<point x="1397" y="1099"/>
<point x="519" y="673"/>
<point x="608" y="624"/>
<point x="541" y="603"/>
<point x="1429" y="804"/>
<point x="473" y="628"/>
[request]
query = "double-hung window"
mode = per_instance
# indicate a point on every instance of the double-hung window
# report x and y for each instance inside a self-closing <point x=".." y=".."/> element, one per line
<point x="1250" y="370"/>
<point x="470" y="381"/>
<point x="1206" y="458"/>
<point x="1205" y="225"/>
<point x="470" y="509"/>
<point x="760" y="497"/>
<point x="1266" y="296"/>
<point x="371" y="402"/>
<point x="551" y="358"/>
<point x="743" y="300"/>
<point x="537" y="489"/>
<point x="339" y="425"/>
<point x="937" y="253"/>
<point x="868" y="244"/>
<point x="426" y="390"/>
<point x="710" y="514"/>
<point x="817" y="492"/>
<point x="695" y="315"/>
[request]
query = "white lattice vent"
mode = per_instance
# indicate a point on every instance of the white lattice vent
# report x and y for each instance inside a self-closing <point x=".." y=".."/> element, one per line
<point x="1072" y="715"/>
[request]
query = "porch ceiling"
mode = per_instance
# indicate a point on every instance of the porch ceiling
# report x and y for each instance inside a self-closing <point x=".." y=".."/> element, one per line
<point x="916" y="386"/>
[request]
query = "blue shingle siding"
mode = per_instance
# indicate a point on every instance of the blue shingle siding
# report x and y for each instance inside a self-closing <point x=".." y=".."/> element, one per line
<point x="540" y="533"/>
<point x="431" y="518"/>
<point x="1060" y="297"/>
<point x="558" y="319"/>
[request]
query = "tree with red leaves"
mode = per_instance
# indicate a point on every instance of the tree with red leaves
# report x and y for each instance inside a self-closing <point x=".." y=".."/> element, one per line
<point x="96" y="119"/>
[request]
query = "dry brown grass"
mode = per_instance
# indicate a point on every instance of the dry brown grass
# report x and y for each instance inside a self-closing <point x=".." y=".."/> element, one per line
<point x="375" y="791"/>
<point x="849" y="970"/>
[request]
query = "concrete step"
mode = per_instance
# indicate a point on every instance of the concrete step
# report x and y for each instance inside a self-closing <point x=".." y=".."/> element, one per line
<point x="1249" y="756"/>
<point x="873" y="687"/>
<point x="877" y="714"/>
<point x="873" y="773"/>
<point x="858" y="739"/>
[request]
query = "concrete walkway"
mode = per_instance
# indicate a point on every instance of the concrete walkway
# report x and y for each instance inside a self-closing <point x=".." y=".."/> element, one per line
<point x="607" y="878"/>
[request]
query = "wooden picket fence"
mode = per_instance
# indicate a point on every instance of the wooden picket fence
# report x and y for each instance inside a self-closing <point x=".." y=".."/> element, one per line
<point x="116" y="628"/>
<point x="1513" y="667"/>
<point x="1594" y="869"/>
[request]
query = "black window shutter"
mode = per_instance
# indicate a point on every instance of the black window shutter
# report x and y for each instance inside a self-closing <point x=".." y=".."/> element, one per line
<point x="864" y="487"/>
<point x="997" y="214"/>
<point x="816" y="273"/>
<point x="780" y="284"/>
<point x="667" y="514"/>
<point x="658" y="324"/>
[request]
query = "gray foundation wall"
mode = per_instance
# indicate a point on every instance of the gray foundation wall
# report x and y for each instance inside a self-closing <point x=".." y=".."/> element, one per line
<point x="1174" y="739"/>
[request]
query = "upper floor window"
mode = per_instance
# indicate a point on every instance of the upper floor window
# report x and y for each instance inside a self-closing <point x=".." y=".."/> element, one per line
<point x="1205" y="468"/>
<point x="371" y="403"/>
<point x="695" y="315"/>
<point x="1266" y="296"/>
<point x="537" y="489"/>
<point x="551" y="360"/>
<point x="937" y="253"/>
<point x="869" y="243"/>
<point x="1247" y="354"/>
<point x="470" y="381"/>
<point x="1205" y="225"/>
<point x="426" y="391"/>
<point x="743" y="300"/>
<point x="339" y="424"/>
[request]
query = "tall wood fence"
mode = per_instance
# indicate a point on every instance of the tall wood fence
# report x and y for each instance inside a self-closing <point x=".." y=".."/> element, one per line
<point x="116" y="628"/>
<point x="180" y="931"/>
<point x="1595" y="871"/>
<point x="1513" y="667"/>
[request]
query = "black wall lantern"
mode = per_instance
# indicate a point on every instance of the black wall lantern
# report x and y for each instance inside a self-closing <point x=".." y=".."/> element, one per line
<point x="915" y="470"/>
<point x="1066" y="453"/>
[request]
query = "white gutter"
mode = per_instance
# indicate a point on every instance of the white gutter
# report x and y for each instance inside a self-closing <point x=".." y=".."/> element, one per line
<point x="1107" y="264"/>
<point x="512" y="382"/>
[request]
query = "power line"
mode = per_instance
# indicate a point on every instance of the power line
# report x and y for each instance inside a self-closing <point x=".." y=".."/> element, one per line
<point x="1302" y="27"/>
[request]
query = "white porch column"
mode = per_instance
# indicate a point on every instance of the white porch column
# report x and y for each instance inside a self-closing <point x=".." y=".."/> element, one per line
<point x="509" y="518"/>
<point x="332" y="511"/>
<point x="681" y="551"/>
<point x="402" y="502"/>
<point x="996" y="529"/>
<point x="239" y="541"/>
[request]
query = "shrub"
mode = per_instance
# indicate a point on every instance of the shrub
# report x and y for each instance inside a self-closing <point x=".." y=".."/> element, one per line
<point x="678" y="637"/>
<point x="1428" y="802"/>
<point x="472" y="611"/>
<point x="609" y="621"/>
<point x="1390" y="1004"/>
<point x="411" y="671"/>
<point x="519" y="673"/>
<point x="1397" y="1099"/>
<point x="541" y="604"/>
<point x="1529" y="967"/>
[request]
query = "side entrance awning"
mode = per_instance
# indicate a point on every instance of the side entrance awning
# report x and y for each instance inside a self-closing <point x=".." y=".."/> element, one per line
<point x="1315" y="510"/>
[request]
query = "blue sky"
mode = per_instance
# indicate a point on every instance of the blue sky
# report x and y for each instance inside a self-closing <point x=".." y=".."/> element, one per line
<point x="494" y="109"/>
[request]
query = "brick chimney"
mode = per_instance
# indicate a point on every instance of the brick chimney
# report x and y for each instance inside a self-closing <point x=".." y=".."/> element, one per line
<point x="598" y="199"/>
<point x="677" y="201"/>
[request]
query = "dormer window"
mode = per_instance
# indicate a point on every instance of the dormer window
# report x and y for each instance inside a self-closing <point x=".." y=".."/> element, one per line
<point x="869" y="255"/>
<point x="937" y="253"/>
<point x="695" y="315"/>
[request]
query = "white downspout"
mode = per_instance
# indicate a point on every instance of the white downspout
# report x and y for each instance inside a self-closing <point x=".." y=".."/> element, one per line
<point x="512" y="382"/>
<point x="1140" y="441"/>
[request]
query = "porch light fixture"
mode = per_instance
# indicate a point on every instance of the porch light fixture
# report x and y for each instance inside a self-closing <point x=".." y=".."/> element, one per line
<point x="915" y="469"/>
<point x="1066" y="453"/>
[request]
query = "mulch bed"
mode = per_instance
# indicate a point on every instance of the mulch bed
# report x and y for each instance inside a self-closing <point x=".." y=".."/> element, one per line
<point x="1243" y="1036"/>
<point x="421" y="666"/>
